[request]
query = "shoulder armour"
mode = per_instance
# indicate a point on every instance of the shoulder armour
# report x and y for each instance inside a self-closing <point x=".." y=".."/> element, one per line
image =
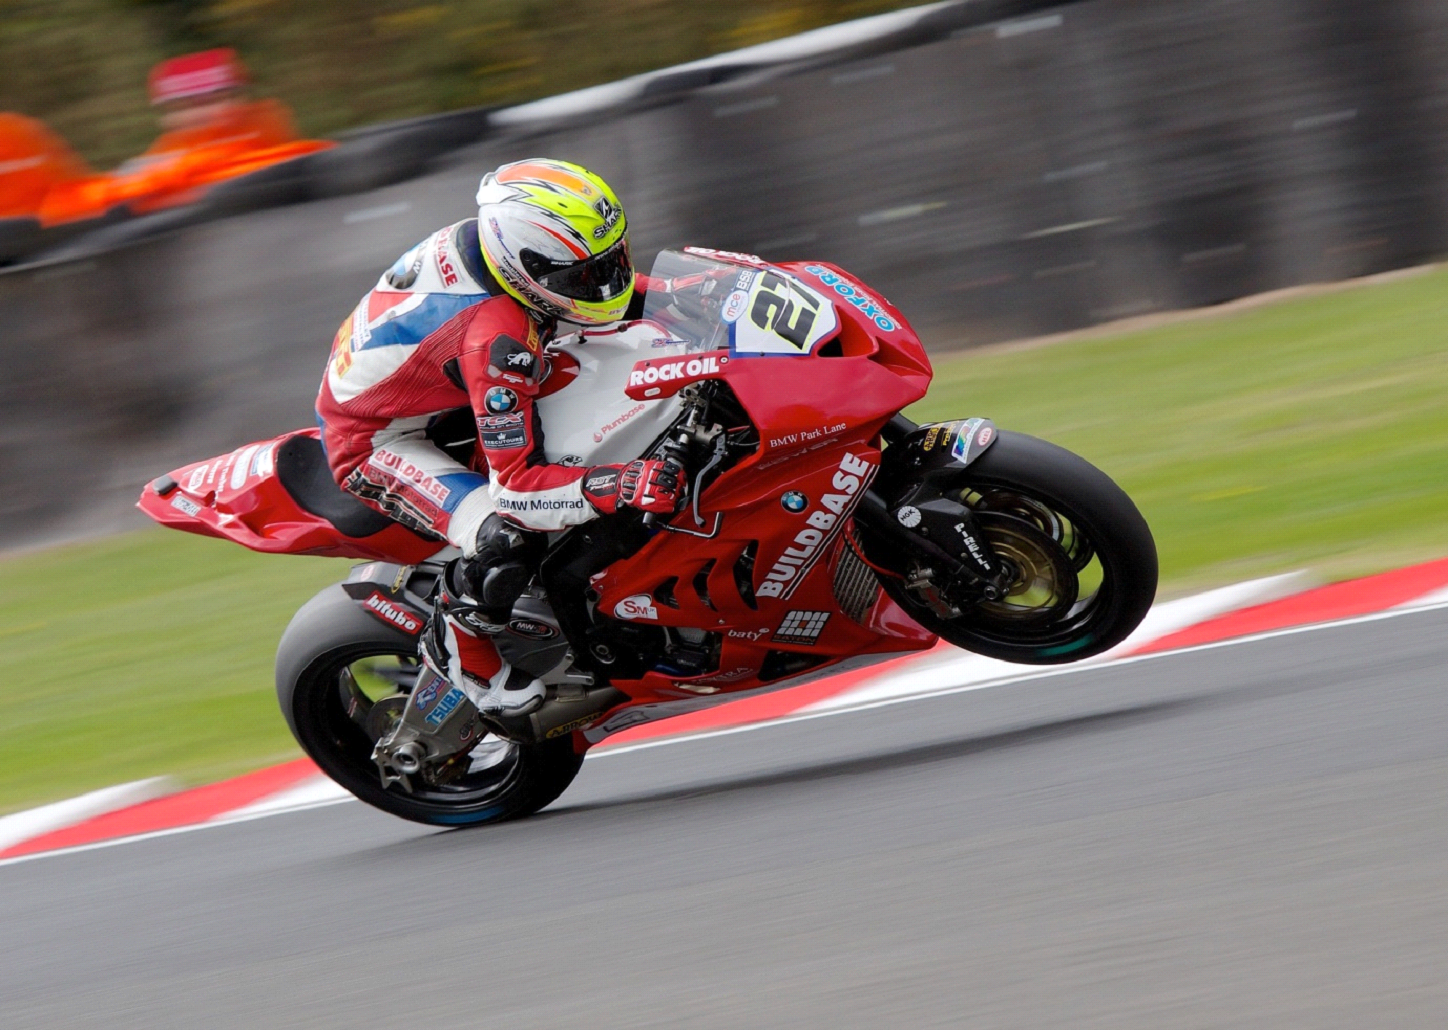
<point x="437" y="265"/>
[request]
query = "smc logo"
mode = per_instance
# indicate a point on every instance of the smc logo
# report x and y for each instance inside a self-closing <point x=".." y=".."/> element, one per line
<point x="639" y="606"/>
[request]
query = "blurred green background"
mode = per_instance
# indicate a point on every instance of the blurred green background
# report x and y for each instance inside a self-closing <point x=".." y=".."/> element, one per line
<point x="80" y="65"/>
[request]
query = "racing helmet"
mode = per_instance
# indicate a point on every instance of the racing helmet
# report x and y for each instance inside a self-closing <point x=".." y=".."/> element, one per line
<point x="555" y="237"/>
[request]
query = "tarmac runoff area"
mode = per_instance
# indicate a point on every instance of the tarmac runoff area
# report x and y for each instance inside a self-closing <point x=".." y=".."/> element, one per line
<point x="1243" y="833"/>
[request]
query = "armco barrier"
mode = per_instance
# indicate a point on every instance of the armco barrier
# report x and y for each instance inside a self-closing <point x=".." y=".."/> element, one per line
<point x="995" y="179"/>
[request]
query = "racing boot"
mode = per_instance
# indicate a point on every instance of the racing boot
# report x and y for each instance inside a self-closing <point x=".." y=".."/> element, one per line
<point x="475" y="601"/>
<point x="509" y="692"/>
<point x="457" y="648"/>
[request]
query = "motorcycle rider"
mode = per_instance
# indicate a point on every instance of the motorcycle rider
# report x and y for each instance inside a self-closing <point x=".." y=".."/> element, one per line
<point x="460" y="321"/>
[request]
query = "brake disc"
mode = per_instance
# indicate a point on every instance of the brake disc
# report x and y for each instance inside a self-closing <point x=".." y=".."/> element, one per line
<point x="384" y="714"/>
<point x="1065" y="533"/>
<point x="1044" y="587"/>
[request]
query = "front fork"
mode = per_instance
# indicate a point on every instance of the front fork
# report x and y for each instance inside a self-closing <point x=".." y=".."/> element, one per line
<point x="944" y="531"/>
<point x="920" y="520"/>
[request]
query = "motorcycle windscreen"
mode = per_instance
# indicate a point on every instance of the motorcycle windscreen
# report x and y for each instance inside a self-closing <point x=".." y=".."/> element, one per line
<point x="747" y="307"/>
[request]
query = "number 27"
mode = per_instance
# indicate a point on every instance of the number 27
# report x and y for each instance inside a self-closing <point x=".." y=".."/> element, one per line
<point x="775" y="310"/>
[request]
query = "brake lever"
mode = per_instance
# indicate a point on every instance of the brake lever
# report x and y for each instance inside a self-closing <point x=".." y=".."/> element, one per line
<point x="721" y="448"/>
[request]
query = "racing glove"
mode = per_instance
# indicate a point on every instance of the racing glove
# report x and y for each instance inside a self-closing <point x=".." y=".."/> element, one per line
<point x="648" y="485"/>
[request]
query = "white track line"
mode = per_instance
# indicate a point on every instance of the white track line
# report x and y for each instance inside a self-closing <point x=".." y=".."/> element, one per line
<point x="1037" y="674"/>
<point x="313" y="791"/>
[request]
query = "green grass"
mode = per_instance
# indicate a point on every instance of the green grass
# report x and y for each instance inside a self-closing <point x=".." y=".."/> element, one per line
<point x="144" y="654"/>
<point x="1307" y="433"/>
<point x="1310" y="432"/>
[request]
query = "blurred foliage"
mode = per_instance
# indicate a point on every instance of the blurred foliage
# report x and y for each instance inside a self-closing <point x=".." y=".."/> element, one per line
<point x="80" y="65"/>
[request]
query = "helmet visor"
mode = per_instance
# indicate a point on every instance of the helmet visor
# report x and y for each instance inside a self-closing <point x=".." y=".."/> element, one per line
<point x="599" y="278"/>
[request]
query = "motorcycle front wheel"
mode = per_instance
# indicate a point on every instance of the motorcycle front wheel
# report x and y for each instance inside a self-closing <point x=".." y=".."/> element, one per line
<point x="338" y="670"/>
<point x="1083" y="561"/>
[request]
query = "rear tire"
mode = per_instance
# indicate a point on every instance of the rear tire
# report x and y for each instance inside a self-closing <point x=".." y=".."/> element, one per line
<point x="1075" y="532"/>
<point x="330" y="635"/>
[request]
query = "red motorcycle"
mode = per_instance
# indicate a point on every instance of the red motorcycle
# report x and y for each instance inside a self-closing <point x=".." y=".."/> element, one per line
<point x="822" y="530"/>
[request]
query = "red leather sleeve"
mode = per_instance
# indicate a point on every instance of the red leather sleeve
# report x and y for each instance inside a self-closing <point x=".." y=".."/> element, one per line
<point x="501" y="364"/>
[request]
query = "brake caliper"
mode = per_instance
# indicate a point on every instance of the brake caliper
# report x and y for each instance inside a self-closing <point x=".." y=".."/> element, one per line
<point x="953" y="528"/>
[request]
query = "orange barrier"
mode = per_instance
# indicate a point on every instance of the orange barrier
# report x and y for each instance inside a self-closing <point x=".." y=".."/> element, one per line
<point x="33" y="161"/>
<point x="181" y="165"/>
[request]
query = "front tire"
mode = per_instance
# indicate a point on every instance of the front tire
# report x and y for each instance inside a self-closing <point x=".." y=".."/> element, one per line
<point x="1085" y="560"/>
<point x="328" y="654"/>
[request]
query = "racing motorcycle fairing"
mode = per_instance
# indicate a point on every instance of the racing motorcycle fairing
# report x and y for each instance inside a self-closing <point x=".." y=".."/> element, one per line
<point x="773" y="591"/>
<point x="757" y="585"/>
<point x="278" y="496"/>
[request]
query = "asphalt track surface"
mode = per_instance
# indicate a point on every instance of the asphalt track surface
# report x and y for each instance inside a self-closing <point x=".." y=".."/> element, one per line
<point x="1242" y="835"/>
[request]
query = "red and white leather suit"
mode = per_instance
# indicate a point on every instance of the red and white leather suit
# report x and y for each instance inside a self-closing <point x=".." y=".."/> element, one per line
<point x="437" y="334"/>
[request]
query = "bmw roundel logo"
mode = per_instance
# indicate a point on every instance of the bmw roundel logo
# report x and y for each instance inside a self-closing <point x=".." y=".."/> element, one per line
<point x="500" y="399"/>
<point x="794" y="502"/>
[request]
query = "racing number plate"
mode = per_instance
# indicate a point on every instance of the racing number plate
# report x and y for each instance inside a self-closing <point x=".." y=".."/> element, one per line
<point x="774" y="314"/>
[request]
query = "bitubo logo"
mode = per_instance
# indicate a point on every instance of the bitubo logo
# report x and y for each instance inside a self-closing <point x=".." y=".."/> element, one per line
<point x="639" y="606"/>
<point x="749" y="634"/>
<point x="390" y="613"/>
<point x="645" y="372"/>
<point x="822" y="525"/>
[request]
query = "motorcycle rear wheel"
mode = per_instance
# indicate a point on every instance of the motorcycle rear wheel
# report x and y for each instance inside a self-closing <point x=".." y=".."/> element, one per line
<point x="1085" y="560"/>
<point x="330" y="664"/>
